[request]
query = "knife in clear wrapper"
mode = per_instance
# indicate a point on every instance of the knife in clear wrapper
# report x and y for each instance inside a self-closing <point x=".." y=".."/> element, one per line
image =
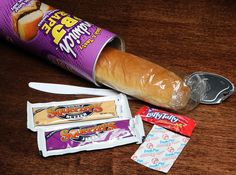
<point x="70" y="90"/>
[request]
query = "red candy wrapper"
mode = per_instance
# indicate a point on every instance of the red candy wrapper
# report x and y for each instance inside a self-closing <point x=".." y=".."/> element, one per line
<point x="173" y="122"/>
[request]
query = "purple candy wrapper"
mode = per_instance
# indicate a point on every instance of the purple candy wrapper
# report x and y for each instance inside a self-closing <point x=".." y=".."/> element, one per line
<point x="89" y="136"/>
<point x="62" y="38"/>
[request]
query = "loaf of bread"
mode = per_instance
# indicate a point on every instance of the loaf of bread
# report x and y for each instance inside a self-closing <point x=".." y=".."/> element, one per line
<point x="142" y="79"/>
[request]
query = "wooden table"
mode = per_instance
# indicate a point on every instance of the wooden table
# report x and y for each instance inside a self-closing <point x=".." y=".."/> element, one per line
<point x="182" y="36"/>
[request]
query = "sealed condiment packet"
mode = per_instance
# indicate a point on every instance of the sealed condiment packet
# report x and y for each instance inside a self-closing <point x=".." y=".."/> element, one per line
<point x="174" y="122"/>
<point x="100" y="108"/>
<point x="160" y="149"/>
<point x="90" y="135"/>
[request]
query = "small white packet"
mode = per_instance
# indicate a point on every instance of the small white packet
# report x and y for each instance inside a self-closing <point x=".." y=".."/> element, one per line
<point x="160" y="149"/>
<point x="99" y="108"/>
<point x="91" y="135"/>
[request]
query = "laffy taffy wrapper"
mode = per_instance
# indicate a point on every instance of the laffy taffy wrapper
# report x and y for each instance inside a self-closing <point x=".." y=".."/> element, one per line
<point x="174" y="122"/>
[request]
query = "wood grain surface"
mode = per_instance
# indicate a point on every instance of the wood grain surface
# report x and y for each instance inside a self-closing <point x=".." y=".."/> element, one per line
<point x="184" y="36"/>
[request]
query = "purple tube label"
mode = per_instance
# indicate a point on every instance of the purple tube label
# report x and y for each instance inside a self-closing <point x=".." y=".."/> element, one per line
<point x="62" y="38"/>
<point x="80" y="136"/>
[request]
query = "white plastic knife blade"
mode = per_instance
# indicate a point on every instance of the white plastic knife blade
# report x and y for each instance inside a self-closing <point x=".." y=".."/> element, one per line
<point x="70" y="89"/>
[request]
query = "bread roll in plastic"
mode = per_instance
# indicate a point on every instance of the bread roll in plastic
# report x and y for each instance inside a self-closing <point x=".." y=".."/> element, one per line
<point x="142" y="79"/>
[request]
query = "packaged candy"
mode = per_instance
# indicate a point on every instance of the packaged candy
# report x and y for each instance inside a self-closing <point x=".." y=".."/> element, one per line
<point x="99" y="108"/>
<point x="174" y="122"/>
<point x="92" y="135"/>
<point x="160" y="149"/>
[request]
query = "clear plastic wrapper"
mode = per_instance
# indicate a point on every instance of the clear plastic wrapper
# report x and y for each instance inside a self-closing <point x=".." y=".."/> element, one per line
<point x="214" y="88"/>
<point x="148" y="81"/>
